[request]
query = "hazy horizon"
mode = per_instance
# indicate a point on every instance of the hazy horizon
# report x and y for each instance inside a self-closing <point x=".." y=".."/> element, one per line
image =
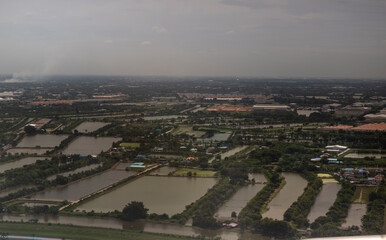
<point x="325" y="39"/>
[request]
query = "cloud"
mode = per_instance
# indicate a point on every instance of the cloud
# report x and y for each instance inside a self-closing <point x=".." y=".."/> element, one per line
<point x="108" y="41"/>
<point x="230" y="32"/>
<point x="158" y="29"/>
<point x="146" y="43"/>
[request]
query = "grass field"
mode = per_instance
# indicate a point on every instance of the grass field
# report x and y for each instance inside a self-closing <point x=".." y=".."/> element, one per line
<point x="362" y="194"/>
<point x="79" y="233"/>
<point x="183" y="172"/>
<point x="130" y="145"/>
<point x="326" y="178"/>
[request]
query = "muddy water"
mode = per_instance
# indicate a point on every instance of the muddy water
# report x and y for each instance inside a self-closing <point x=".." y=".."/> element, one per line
<point x="152" y="118"/>
<point x="324" y="200"/>
<point x="90" y="145"/>
<point x="159" y="194"/>
<point x="363" y="155"/>
<point x="293" y="188"/>
<point x="37" y="151"/>
<point x="7" y="191"/>
<point x="83" y="187"/>
<point x="78" y="170"/>
<point x="152" y="227"/>
<point x="355" y="213"/>
<point x="230" y="153"/>
<point x="42" y="140"/>
<point x="19" y="163"/>
<point x="87" y="127"/>
<point x="238" y="201"/>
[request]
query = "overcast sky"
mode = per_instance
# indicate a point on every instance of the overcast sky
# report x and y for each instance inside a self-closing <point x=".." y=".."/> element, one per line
<point x="263" y="38"/>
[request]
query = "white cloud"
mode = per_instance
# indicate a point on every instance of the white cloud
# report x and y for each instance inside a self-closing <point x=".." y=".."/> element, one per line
<point x="146" y="43"/>
<point x="158" y="29"/>
<point x="230" y="32"/>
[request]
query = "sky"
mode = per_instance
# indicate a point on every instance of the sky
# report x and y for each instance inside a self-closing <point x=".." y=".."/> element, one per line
<point x="241" y="38"/>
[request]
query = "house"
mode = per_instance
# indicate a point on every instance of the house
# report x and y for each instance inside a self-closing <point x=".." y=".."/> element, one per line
<point x="157" y="149"/>
<point x="379" y="177"/>
<point x="315" y="159"/>
<point x="190" y="158"/>
<point x="333" y="161"/>
<point x="348" y="175"/>
<point x="138" y="166"/>
<point x="142" y="157"/>
<point x="361" y="172"/>
<point x="372" y="181"/>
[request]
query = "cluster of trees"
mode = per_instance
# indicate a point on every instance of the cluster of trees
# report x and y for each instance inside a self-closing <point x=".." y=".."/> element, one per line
<point x="133" y="211"/>
<point x="38" y="172"/>
<point x="373" y="220"/>
<point x="290" y="156"/>
<point x="299" y="210"/>
<point x="203" y="209"/>
<point x="276" y="228"/>
<point x="327" y="226"/>
<point x="250" y="215"/>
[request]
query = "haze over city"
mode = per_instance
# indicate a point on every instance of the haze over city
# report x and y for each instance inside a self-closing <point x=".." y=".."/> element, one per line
<point x="298" y="38"/>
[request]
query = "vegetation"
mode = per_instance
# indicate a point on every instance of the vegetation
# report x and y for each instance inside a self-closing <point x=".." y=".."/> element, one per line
<point x="328" y="225"/>
<point x="83" y="233"/>
<point x="373" y="221"/>
<point x="133" y="211"/>
<point x="299" y="210"/>
<point x="203" y="209"/>
<point x="183" y="172"/>
<point x="250" y="215"/>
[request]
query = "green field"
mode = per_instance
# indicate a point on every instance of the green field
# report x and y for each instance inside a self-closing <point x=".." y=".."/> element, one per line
<point x="183" y="172"/>
<point x="362" y="194"/>
<point x="79" y="233"/>
<point x="130" y="145"/>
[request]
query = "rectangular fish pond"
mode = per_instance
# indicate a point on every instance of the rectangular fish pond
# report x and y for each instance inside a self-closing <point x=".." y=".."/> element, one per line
<point x="160" y="195"/>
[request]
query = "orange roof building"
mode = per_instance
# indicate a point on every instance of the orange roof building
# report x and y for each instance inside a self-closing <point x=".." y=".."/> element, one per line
<point x="371" y="127"/>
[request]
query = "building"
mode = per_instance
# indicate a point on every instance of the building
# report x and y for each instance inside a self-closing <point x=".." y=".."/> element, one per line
<point x="333" y="161"/>
<point x="270" y="107"/>
<point x="335" y="148"/>
<point x="379" y="178"/>
<point x="315" y="159"/>
<point x="349" y="110"/>
<point x="138" y="166"/>
<point x="371" y="127"/>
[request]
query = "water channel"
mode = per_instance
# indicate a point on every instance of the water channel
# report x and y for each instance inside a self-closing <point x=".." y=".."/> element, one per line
<point x="355" y="214"/>
<point x="324" y="200"/>
<point x="152" y="118"/>
<point x="32" y="151"/>
<point x="240" y="198"/>
<point x="363" y="155"/>
<point x="20" y="163"/>
<point x="78" y="170"/>
<point x="152" y="227"/>
<point x="293" y="188"/>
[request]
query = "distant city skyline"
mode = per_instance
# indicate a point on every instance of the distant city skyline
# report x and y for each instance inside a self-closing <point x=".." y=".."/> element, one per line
<point x="240" y="38"/>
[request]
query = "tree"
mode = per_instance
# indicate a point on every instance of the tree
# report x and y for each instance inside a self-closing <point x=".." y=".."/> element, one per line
<point x="133" y="211"/>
